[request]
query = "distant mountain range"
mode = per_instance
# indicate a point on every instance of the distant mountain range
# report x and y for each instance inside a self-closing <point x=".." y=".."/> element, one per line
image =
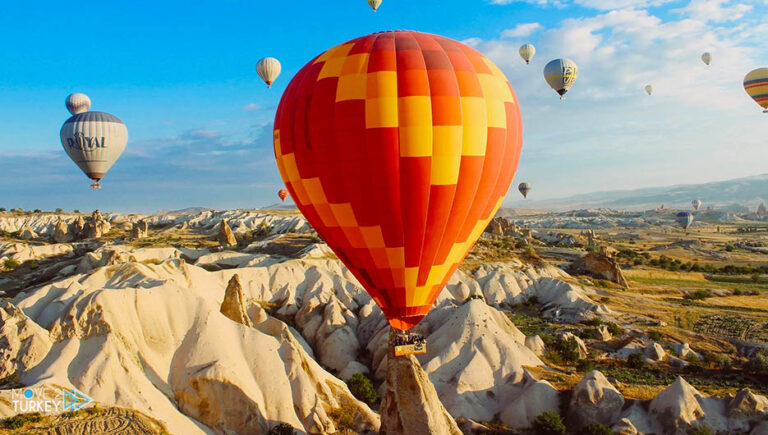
<point x="188" y="210"/>
<point x="730" y="194"/>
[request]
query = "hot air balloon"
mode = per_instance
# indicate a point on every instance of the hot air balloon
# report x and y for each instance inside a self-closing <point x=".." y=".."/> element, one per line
<point x="374" y="4"/>
<point x="756" y="85"/>
<point x="560" y="75"/>
<point x="524" y="188"/>
<point x="706" y="58"/>
<point x="685" y="219"/>
<point x="94" y="141"/>
<point x="268" y="69"/>
<point x="78" y="103"/>
<point x="527" y="51"/>
<point x="696" y="203"/>
<point x="398" y="148"/>
<point x="282" y="193"/>
<point x="648" y="89"/>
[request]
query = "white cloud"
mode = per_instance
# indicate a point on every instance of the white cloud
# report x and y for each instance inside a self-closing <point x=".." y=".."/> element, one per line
<point x="535" y="2"/>
<point x="619" y="4"/>
<point x="252" y="107"/>
<point x="523" y="29"/>
<point x="714" y="10"/>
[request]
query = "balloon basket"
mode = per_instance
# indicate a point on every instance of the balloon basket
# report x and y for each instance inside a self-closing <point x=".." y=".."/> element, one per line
<point x="765" y="111"/>
<point x="562" y="98"/>
<point x="95" y="186"/>
<point x="404" y="343"/>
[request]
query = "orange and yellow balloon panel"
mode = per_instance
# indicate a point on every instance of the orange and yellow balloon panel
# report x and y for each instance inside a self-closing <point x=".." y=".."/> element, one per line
<point x="398" y="147"/>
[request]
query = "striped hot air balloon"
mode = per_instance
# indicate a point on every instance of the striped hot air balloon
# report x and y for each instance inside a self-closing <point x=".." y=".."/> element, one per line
<point x="685" y="219"/>
<point x="398" y="148"/>
<point x="524" y="188"/>
<point x="560" y="75"/>
<point x="78" y="103"/>
<point x="649" y="89"/>
<point x="282" y="193"/>
<point x="756" y="85"/>
<point x="527" y="51"/>
<point x="268" y="69"/>
<point x="94" y="141"/>
<point x="374" y="4"/>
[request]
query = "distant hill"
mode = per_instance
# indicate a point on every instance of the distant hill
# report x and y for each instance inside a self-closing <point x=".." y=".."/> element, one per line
<point x="188" y="210"/>
<point x="730" y="194"/>
<point x="284" y="206"/>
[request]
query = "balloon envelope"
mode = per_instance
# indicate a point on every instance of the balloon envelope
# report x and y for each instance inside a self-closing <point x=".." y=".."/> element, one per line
<point x="268" y="69"/>
<point x="685" y="219"/>
<point x="649" y="89"/>
<point x="560" y="75"/>
<point x="524" y="188"/>
<point x="756" y="85"/>
<point x="706" y="58"/>
<point x="94" y="141"/>
<point x="527" y="51"/>
<point x="398" y="148"/>
<point x="696" y="203"/>
<point x="78" y="103"/>
<point x="282" y="193"/>
<point x="374" y="4"/>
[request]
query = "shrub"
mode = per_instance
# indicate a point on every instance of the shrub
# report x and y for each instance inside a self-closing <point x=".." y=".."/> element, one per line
<point x="475" y="297"/>
<point x="21" y="420"/>
<point x="613" y="328"/>
<point x="10" y="263"/>
<point x="719" y="360"/>
<point x="282" y="429"/>
<point x="568" y="349"/>
<point x="636" y="361"/>
<point x="37" y="210"/>
<point x="585" y="365"/>
<point x="76" y="211"/>
<point x="2" y="209"/>
<point x="34" y="265"/>
<point x="549" y="423"/>
<point x="655" y="335"/>
<point x="361" y="387"/>
<point x="699" y="429"/>
<point x="263" y="230"/>
<point x="595" y="429"/>
<point x="595" y="321"/>
<point x="694" y="367"/>
<point x="758" y="362"/>
<point x="698" y="295"/>
<point x="737" y="292"/>
<point x="533" y="300"/>
<point x="59" y="210"/>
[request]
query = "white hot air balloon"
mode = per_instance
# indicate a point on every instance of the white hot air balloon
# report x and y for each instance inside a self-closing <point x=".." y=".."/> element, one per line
<point x="78" y="103"/>
<point x="696" y="203"/>
<point x="94" y="141"/>
<point x="527" y="51"/>
<point x="374" y="4"/>
<point x="706" y="58"/>
<point x="649" y="89"/>
<point x="268" y="69"/>
<point x="560" y="75"/>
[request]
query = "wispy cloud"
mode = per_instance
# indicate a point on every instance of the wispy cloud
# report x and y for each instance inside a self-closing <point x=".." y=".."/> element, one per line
<point x="523" y="29"/>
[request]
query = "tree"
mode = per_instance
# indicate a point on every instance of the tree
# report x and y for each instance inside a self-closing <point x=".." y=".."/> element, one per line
<point x="282" y="429"/>
<point x="549" y="423"/>
<point x="59" y="210"/>
<point x="636" y="361"/>
<point x="595" y="429"/>
<point x="361" y="387"/>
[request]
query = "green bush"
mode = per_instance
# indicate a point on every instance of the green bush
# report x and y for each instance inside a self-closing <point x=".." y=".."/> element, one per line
<point x="263" y="230"/>
<point x="655" y="335"/>
<point x="699" y="429"/>
<point x="595" y="429"/>
<point x="636" y="361"/>
<point x="758" y="362"/>
<point x="361" y="387"/>
<point x="2" y="209"/>
<point x="549" y="423"/>
<point x="718" y="360"/>
<point x="10" y="263"/>
<point x="59" y="210"/>
<point x="34" y="265"/>
<point x="613" y="328"/>
<point x="475" y="297"/>
<point x="567" y="350"/>
<point x="585" y="365"/>
<point x="282" y="429"/>
<point x="698" y="295"/>
<point x="595" y="321"/>
<point x="21" y="420"/>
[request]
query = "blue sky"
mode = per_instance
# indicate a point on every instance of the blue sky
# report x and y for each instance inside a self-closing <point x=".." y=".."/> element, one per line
<point x="181" y="76"/>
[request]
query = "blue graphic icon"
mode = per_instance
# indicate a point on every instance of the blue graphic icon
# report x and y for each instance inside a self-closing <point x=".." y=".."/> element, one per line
<point x="28" y="394"/>
<point x="74" y="399"/>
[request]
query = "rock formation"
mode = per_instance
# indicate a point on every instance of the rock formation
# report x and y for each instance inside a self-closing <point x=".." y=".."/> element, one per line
<point x="535" y="344"/>
<point x="61" y="232"/>
<point x="595" y="400"/>
<point x="747" y="404"/>
<point x="233" y="305"/>
<point x="600" y="266"/>
<point x="226" y="237"/>
<point x="676" y="408"/>
<point x="26" y="233"/>
<point x="23" y="343"/>
<point x="139" y="230"/>
<point x="410" y="404"/>
<point x="96" y="226"/>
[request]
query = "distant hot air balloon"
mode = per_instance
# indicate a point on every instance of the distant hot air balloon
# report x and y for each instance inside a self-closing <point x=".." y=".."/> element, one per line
<point x="527" y="51"/>
<point x="524" y="188"/>
<point x="696" y="203"/>
<point x="374" y="4"/>
<point x="756" y="85"/>
<point x="706" y="58"/>
<point x="685" y="219"/>
<point x="648" y="89"/>
<point x="78" y="103"/>
<point x="398" y="148"/>
<point x="94" y="141"/>
<point x="560" y="75"/>
<point x="282" y="193"/>
<point x="268" y="69"/>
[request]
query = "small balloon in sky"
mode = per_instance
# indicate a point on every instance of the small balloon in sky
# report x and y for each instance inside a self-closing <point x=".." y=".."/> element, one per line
<point x="527" y="51"/>
<point x="374" y="4"/>
<point x="94" y="141"/>
<point x="268" y="69"/>
<point x="560" y="74"/>
<point x="706" y="58"/>
<point x="78" y="103"/>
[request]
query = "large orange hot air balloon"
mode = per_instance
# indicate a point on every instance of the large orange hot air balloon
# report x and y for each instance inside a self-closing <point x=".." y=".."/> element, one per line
<point x="282" y="193"/>
<point x="398" y="148"/>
